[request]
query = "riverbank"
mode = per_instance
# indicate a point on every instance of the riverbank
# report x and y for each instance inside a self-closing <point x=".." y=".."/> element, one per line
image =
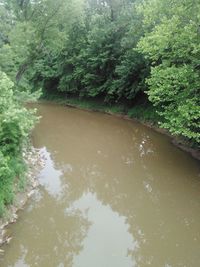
<point x="144" y="114"/>
<point x="34" y="163"/>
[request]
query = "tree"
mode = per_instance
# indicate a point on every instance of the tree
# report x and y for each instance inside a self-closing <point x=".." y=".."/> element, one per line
<point x="98" y="58"/>
<point x="37" y="27"/>
<point x="171" y="42"/>
<point x="15" y="125"/>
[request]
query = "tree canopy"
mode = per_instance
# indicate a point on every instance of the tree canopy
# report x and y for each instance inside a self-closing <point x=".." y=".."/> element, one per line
<point x="132" y="51"/>
<point x="172" y="43"/>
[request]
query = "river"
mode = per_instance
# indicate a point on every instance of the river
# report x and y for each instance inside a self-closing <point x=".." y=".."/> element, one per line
<point x="113" y="193"/>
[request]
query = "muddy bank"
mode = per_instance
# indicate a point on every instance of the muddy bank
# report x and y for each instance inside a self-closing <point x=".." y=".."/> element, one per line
<point x="34" y="161"/>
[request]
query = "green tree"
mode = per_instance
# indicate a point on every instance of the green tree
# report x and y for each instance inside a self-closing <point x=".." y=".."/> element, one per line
<point x="37" y="27"/>
<point x="98" y="59"/>
<point x="15" y="125"/>
<point x="172" y="43"/>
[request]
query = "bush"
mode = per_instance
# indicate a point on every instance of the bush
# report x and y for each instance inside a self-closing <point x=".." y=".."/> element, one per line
<point x="15" y="125"/>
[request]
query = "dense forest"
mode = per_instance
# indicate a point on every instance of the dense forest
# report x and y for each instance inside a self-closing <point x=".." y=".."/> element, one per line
<point x="143" y="53"/>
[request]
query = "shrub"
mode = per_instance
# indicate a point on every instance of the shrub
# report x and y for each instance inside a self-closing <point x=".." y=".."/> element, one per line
<point x="15" y="125"/>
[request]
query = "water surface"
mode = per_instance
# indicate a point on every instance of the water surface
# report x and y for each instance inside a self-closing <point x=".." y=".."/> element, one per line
<point x="113" y="193"/>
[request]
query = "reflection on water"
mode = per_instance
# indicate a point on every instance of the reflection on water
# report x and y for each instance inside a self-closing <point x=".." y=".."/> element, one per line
<point x="106" y="227"/>
<point x="113" y="194"/>
<point x="53" y="183"/>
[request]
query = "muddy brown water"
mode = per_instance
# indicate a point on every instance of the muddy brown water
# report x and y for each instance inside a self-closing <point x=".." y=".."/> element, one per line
<point x="113" y="193"/>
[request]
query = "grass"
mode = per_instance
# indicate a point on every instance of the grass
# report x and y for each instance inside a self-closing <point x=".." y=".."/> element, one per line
<point x="95" y="105"/>
<point x="12" y="172"/>
<point x="144" y="113"/>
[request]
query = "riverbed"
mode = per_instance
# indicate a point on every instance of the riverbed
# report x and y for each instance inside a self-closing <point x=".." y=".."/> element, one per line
<point x="113" y="193"/>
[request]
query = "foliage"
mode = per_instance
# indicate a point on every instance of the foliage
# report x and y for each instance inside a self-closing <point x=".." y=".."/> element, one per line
<point x="146" y="113"/>
<point x="97" y="58"/>
<point x="176" y="91"/>
<point x="15" y="124"/>
<point x="130" y="51"/>
<point x="172" y="43"/>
